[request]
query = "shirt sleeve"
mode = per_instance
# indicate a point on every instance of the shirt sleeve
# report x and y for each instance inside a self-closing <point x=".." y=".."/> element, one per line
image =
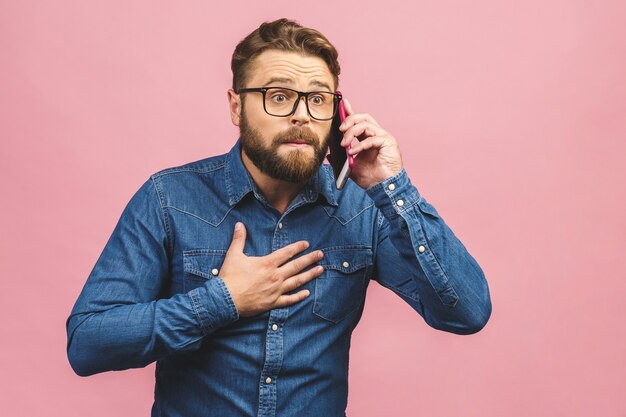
<point x="419" y="258"/>
<point x="118" y="321"/>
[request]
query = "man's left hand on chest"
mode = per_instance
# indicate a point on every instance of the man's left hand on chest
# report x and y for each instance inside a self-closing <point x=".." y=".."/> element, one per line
<point x="377" y="155"/>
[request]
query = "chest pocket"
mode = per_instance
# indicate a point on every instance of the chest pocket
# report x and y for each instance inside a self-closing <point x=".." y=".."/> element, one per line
<point x="200" y="265"/>
<point x="340" y="289"/>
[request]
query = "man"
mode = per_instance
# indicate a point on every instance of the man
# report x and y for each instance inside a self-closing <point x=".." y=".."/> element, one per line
<point x="243" y="275"/>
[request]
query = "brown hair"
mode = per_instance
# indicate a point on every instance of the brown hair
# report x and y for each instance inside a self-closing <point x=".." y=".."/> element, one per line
<point x="284" y="35"/>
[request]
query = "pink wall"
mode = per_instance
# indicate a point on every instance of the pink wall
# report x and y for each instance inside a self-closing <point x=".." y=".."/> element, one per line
<point x="511" y="119"/>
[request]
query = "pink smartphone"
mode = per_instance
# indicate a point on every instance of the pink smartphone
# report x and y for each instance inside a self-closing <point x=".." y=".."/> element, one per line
<point x="339" y="159"/>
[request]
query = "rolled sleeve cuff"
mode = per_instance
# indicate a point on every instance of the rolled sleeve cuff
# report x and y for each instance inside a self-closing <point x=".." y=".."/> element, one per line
<point x="394" y="195"/>
<point x="213" y="305"/>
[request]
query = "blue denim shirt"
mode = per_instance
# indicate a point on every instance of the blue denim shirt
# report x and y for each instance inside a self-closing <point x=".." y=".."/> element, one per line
<point x="155" y="293"/>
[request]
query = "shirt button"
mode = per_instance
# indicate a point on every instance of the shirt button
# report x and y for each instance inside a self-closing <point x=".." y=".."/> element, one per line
<point x="268" y="380"/>
<point x="346" y="264"/>
<point x="400" y="203"/>
<point x="391" y="186"/>
<point x="215" y="271"/>
<point x="421" y="249"/>
<point x="274" y="327"/>
<point x="280" y="225"/>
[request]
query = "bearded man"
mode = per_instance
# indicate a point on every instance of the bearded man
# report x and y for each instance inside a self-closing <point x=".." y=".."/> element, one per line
<point x="244" y="275"/>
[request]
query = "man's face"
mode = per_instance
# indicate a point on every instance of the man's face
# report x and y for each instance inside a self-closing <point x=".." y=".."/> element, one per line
<point x="286" y="148"/>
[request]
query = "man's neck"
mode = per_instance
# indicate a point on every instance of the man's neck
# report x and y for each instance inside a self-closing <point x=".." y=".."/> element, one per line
<point x="278" y="193"/>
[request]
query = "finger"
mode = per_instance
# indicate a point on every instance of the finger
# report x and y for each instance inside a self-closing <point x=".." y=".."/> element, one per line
<point x="238" y="243"/>
<point x="282" y="255"/>
<point x="299" y="280"/>
<point x="357" y="118"/>
<point x="298" y="264"/>
<point x="360" y="129"/>
<point x="369" y="143"/>
<point x="289" y="299"/>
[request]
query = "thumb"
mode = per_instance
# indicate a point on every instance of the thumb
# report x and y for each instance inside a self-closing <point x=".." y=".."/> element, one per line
<point x="239" y="239"/>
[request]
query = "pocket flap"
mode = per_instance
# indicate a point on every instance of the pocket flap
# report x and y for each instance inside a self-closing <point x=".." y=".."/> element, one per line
<point x="347" y="259"/>
<point x="205" y="263"/>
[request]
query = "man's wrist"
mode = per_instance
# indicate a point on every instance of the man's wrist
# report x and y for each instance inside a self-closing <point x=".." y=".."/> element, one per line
<point x="376" y="181"/>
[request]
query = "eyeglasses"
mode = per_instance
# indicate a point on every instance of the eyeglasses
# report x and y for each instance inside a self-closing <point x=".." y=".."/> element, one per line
<point x="282" y="101"/>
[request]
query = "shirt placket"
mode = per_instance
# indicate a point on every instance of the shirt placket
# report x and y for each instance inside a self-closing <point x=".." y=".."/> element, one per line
<point x="274" y="337"/>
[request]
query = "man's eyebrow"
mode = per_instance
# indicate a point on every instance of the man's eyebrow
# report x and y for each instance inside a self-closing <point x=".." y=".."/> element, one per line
<point x="320" y="84"/>
<point x="279" y="80"/>
<point x="290" y="81"/>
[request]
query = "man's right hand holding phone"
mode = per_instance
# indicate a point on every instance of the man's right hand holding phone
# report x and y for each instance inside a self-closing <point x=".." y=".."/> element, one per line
<point x="377" y="154"/>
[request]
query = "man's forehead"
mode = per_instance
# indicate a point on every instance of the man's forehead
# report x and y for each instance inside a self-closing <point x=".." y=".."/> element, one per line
<point x="289" y="68"/>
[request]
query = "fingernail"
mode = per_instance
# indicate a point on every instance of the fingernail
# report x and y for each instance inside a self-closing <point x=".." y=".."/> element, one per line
<point x="238" y="226"/>
<point x="320" y="254"/>
<point x="320" y="269"/>
<point x="306" y="244"/>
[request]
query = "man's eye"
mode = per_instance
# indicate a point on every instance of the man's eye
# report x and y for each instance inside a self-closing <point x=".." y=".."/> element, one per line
<point x="279" y="98"/>
<point x="317" y="99"/>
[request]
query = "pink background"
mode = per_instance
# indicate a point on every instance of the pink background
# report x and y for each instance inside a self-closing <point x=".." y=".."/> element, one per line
<point x="511" y="119"/>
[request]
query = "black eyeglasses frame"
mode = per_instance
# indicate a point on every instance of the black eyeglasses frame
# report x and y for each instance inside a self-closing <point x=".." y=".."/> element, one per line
<point x="337" y="98"/>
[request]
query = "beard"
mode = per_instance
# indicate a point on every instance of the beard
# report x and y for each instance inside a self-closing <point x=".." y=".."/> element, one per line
<point x="297" y="166"/>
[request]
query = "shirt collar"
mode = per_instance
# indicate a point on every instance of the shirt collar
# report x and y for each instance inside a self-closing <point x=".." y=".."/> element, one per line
<point x="239" y="183"/>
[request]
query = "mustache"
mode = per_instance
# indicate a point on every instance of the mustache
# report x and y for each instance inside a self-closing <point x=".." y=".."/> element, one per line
<point x="305" y="135"/>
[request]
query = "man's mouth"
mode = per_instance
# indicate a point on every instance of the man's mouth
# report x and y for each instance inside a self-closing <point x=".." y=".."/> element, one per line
<point x="299" y="143"/>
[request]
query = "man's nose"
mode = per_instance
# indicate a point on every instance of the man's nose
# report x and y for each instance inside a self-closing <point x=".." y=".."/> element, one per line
<point x="301" y="115"/>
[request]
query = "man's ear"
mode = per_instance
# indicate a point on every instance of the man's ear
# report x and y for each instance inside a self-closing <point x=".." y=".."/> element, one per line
<point x="234" y="104"/>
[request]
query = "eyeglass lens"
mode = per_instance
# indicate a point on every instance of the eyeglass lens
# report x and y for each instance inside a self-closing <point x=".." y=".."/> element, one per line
<point x="280" y="102"/>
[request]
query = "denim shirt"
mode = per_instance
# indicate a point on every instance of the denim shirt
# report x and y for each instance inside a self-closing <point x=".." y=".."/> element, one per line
<point x="155" y="293"/>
